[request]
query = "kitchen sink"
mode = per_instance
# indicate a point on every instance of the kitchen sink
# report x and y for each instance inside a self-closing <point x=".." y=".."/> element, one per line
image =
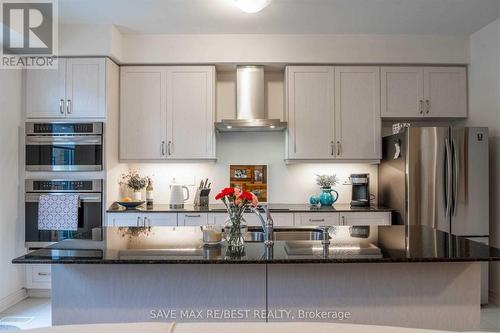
<point x="257" y="235"/>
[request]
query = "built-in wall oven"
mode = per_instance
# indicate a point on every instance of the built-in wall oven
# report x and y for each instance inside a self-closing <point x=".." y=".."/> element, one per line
<point x="89" y="211"/>
<point x="59" y="146"/>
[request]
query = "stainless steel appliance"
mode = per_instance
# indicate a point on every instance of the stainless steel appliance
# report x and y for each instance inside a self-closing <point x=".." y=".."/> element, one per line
<point x="360" y="190"/>
<point x="58" y="146"/>
<point x="89" y="212"/>
<point x="438" y="176"/>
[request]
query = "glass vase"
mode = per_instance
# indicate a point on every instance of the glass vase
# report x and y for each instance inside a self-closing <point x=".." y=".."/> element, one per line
<point x="235" y="230"/>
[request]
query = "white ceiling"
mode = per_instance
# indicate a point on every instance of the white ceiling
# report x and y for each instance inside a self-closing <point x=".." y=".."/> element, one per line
<point x="444" y="17"/>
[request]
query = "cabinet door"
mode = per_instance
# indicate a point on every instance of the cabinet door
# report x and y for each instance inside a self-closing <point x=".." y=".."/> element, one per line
<point x="402" y="92"/>
<point x="86" y="88"/>
<point x="192" y="219"/>
<point x="218" y="218"/>
<point x="365" y="219"/>
<point x="252" y="220"/>
<point x="143" y="113"/>
<point x="160" y="220"/>
<point x="283" y="219"/>
<point x="190" y="112"/>
<point x="357" y="112"/>
<point x="317" y="219"/>
<point x="45" y="92"/>
<point x="445" y="92"/>
<point x="38" y="276"/>
<point x="124" y="220"/>
<point x="310" y="112"/>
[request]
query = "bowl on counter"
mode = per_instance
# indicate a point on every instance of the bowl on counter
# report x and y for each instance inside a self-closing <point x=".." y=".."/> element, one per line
<point x="130" y="204"/>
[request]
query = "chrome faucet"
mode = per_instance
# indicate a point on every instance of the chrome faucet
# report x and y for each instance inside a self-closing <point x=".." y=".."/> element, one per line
<point x="267" y="224"/>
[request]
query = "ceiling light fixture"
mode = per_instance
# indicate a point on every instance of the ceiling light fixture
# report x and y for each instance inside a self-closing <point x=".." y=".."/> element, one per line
<point x="252" y="6"/>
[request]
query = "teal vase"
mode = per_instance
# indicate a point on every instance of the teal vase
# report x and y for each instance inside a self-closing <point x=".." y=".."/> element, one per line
<point x="327" y="198"/>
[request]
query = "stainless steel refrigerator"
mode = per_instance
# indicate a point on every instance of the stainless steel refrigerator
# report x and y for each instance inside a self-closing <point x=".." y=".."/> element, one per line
<point x="438" y="176"/>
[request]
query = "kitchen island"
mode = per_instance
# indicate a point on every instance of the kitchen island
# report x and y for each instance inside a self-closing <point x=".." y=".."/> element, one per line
<point x="385" y="275"/>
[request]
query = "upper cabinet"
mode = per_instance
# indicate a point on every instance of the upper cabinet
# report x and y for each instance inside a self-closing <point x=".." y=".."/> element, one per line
<point x="77" y="89"/>
<point x="416" y="92"/>
<point x="333" y="113"/>
<point x="310" y="101"/>
<point x="167" y="112"/>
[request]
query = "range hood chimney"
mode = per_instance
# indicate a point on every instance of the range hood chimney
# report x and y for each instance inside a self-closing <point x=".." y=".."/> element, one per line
<point x="250" y="110"/>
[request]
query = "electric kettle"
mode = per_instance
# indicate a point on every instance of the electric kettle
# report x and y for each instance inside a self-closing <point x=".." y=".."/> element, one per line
<point x="177" y="198"/>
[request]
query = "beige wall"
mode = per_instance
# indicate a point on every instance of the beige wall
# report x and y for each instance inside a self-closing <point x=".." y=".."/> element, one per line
<point x="484" y="110"/>
<point x="11" y="226"/>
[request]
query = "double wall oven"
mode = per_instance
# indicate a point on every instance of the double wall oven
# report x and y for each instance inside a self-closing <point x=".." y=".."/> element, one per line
<point x="64" y="158"/>
<point x="64" y="147"/>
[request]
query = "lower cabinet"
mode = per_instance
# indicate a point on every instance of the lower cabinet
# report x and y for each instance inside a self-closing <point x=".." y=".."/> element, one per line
<point x="160" y="219"/>
<point x="192" y="219"/>
<point x="316" y="219"/>
<point x="365" y="218"/>
<point x="38" y="277"/>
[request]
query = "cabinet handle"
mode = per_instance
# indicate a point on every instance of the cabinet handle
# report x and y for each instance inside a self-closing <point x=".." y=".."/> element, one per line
<point x="316" y="220"/>
<point x="61" y="106"/>
<point x="332" y="146"/>
<point x="163" y="148"/>
<point x="193" y="216"/>
<point x="169" y="148"/>
<point x="343" y="220"/>
<point x="68" y="106"/>
<point x="146" y="222"/>
<point x="427" y="106"/>
<point x="43" y="274"/>
<point x="421" y="106"/>
<point x="339" y="149"/>
<point x="138" y="221"/>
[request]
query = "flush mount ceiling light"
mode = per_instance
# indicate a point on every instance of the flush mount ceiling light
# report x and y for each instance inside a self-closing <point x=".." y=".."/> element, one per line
<point x="252" y="6"/>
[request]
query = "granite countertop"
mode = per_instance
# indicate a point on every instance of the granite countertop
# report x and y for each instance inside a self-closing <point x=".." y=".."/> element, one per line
<point x="183" y="245"/>
<point x="277" y="208"/>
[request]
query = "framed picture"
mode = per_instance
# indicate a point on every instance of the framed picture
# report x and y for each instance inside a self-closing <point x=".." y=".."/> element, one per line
<point x="252" y="178"/>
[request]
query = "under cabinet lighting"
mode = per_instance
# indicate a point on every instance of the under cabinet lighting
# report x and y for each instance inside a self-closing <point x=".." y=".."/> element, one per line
<point x="252" y="6"/>
<point x="229" y="126"/>
<point x="272" y="126"/>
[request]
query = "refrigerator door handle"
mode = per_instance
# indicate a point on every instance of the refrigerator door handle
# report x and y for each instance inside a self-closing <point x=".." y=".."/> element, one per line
<point x="447" y="179"/>
<point x="456" y="173"/>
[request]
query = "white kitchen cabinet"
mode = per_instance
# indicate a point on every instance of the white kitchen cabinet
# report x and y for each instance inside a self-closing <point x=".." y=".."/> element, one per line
<point x="402" y="92"/>
<point x="143" y="113"/>
<point x="46" y="92"/>
<point x="357" y="111"/>
<point x="167" y="113"/>
<point x="86" y="88"/>
<point x="217" y="218"/>
<point x="429" y="92"/>
<point x="124" y="219"/>
<point x="365" y="218"/>
<point x="192" y="219"/>
<point x="190" y="112"/>
<point x="310" y="107"/>
<point x="283" y="219"/>
<point x="159" y="219"/>
<point x="77" y="89"/>
<point x="445" y="92"/>
<point x="38" y="277"/>
<point x="317" y="219"/>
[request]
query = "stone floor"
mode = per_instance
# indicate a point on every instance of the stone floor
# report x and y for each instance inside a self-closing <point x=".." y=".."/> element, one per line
<point x="36" y="312"/>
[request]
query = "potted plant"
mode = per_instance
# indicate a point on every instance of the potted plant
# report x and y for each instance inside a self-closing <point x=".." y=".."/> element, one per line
<point x="135" y="182"/>
<point x="236" y="201"/>
<point x="326" y="182"/>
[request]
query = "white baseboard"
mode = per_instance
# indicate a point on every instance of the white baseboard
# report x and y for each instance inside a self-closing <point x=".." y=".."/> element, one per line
<point x="12" y="299"/>
<point x="39" y="293"/>
<point x="494" y="297"/>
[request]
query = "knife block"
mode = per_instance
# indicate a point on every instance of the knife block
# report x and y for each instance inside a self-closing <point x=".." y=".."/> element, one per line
<point x="201" y="198"/>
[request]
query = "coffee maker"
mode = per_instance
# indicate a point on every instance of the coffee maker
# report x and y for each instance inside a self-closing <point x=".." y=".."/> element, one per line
<point x="360" y="190"/>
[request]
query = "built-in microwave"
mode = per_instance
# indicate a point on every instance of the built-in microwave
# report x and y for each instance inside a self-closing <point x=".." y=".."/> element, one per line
<point x="64" y="146"/>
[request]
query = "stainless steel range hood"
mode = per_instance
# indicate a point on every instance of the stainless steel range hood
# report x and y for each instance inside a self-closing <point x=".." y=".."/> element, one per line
<point x="250" y="111"/>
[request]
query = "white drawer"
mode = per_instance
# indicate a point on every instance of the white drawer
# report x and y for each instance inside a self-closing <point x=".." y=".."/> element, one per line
<point x="123" y="219"/>
<point x="317" y="219"/>
<point x="38" y="276"/>
<point x="217" y="218"/>
<point x="192" y="219"/>
<point x="283" y="219"/>
<point x="159" y="219"/>
<point x="365" y="218"/>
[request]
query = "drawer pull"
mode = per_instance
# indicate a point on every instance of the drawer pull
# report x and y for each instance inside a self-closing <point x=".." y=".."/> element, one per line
<point x="316" y="220"/>
<point x="43" y="274"/>
<point x="193" y="216"/>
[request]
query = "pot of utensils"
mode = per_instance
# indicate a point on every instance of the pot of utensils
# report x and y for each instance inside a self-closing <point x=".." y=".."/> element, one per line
<point x="201" y="199"/>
